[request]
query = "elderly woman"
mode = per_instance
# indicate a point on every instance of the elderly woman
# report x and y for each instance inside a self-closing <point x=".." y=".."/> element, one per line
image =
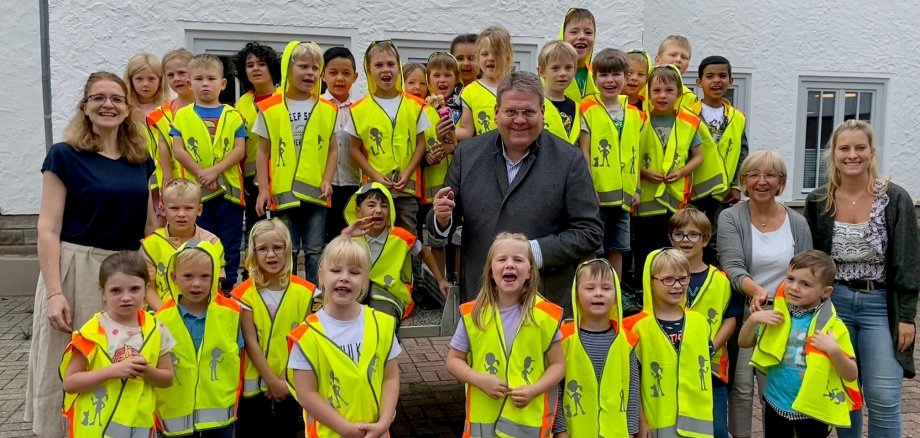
<point x="95" y="201"/>
<point x="869" y="226"/>
<point x="756" y="239"/>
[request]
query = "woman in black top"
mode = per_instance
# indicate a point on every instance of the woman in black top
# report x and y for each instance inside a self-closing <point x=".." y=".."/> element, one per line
<point x="869" y="226"/>
<point x="95" y="201"/>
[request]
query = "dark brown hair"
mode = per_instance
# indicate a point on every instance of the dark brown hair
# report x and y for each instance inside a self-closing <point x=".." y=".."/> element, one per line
<point x="125" y="262"/>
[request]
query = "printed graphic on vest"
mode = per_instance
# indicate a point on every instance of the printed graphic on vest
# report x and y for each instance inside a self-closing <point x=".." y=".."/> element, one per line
<point x="835" y="395"/>
<point x="657" y="374"/>
<point x="193" y="148"/>
<point x="484" y="121"/>
<point x="336" y="400"/>
<point x="704" y="372"/>
<point x="281" y="147"/>
<point x="528" y="368"/>
<point x="99" y="397"/>
<point x="605" y="153"/>
<point x="216" y="359"/>
<point x="492" y="363"/>
<point x="377" y="138"/>
<point x="574" y="409"/>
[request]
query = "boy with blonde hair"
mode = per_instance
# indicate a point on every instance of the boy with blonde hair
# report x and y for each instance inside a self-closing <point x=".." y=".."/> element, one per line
<point x="676" y="50"/>
<point x="556" y="66"/>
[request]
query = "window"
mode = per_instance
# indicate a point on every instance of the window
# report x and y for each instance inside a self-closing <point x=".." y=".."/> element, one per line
<point x="417" y="46"/>
<point x="226" y="40"/>
<point x="823" y="104"/>
<point x="739" y="95"/>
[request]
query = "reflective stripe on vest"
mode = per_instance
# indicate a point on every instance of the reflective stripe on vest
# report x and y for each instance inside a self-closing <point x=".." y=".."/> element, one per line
<point x="391" y="272"/>
<point x="296" y="174"/>
<point x="115" y="430"/>
<point x="207" y="151"/>
<point x="271" y="331"/>
<point x="481" y="101"/>
<point x="353" y="389"/>
<point x="520" y="363"/>
<point x="729" y="144"/>
<point x="247" y="107"/>
<point x="389" y="144"/>
<point x="553" y="123"/>
<point x="711" y="302"/>
<point x="614" y="158"/>
<point x="433" y="176"/>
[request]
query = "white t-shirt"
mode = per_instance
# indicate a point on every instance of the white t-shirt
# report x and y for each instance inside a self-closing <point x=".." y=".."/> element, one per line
<point x="299" y="110"/>
<point x="715" y="120"/>
<point x="124" y="340"/>
<point x="391" y="107"/>
<point x="348" y="335"/>
<point x="271" y="298"/>
<point x="616" y="114"/>
<point x="770" y="256"/>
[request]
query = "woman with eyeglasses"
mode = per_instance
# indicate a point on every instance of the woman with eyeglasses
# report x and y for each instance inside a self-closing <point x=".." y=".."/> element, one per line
<point x="95" y="201"/>
<point x="757" y="238"/>
<point x="868" y="225"/>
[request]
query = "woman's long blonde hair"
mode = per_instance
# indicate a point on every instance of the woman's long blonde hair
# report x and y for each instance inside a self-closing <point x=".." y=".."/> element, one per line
<point x="487" y="300"/>
<point x="834" y="179"/>
<point x="132" y="136"/>
<point x="252" y="264"/>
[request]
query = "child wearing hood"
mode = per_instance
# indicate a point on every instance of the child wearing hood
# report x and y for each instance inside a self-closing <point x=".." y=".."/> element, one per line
<point x="579" y="29"/>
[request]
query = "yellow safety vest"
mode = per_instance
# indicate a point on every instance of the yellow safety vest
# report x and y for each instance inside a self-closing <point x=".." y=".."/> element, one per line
<point x="616" y="180"/>
<point x="708" y="178"/>
<point x="433" y="176"/>
<point x="676" y="385"/>
<point x="481" y="101"/>
<point x="247" y="107"/>
<point x="553" y="123"/>
<point x="295" y="304"/>
<point x="573" y="91"/>
<point x="687" y="97"/>
<point x="353" y="389"/>
<point x="729" y="144"/>
<point x="389" y="144"/>
<point x="518" y="364"/>
<point x="206" y="386"/>
<point x="159" y="122"/>
<point x="297" y="175"/>
<point x="118" y="408"/>
<point x="160" y="249"/>
<point x="207" y="151"/>
<point x="588" y="410"/>
<point x="711" y="302"/>
<point x="824" y="395"/>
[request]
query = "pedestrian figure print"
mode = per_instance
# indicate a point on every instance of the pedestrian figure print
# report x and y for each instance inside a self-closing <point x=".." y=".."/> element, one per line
<point x="575" y="393"/>
<point x="657" y="373"/>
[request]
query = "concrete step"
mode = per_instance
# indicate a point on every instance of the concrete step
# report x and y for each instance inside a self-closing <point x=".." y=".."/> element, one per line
<point x="19" y="274"/>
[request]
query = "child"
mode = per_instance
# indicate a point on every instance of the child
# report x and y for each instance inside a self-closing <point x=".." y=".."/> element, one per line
<point x="416" y="79"/>
<point x="258" y="68"/>
<point x="506" y="348"/>
<point x="676" y="387"/>
<point x="159" y="121"/>
<point x="142" y="75"/>
<point x="672" y="166"/>
<point x="298" y="152"/>
<point x="207" y="358"/>
<point x="116" y="358"/>
<point x="388" y="132"/>
<point x="596" y="344"/>
<point x="369" y="215"/>
<point x="340" y="75"/>
<point x="556" y="66"/>
<point x="640" y="64"/>
<point x="675" y="50"/>
<point x="182" y="205"/>
<point x="496" y="59"/>
<point x="609" y="140"/>
<point x="579" y="29"/>
<point x="463" y="47"/>
<point x="709" y="294"/>
<point x="343" y="363"/>
<point x="804" y="349"/>
<point x="274" y="302"/>
<point x="209" y="141"/>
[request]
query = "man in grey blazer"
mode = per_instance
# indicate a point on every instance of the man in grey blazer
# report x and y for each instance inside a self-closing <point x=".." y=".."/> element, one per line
<point x="520" y="179"/>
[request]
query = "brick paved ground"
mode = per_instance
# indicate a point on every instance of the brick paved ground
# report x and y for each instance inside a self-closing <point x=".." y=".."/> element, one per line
<point x="430" y="404"/>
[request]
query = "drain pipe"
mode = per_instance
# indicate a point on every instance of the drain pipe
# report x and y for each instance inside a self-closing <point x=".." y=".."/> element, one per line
<point x="46" y="68"/>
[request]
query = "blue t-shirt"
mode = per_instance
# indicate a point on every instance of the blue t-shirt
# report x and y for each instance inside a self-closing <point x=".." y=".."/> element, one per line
<point x="785" y="379"/>
<point x="195" y="326"/>
<point x="210" y="117"/>
<point x="106" y="202"/>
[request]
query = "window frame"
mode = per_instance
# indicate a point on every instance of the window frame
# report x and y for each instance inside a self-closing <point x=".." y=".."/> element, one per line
<point x="840" y="84"/>
<point x="741" y="83"/>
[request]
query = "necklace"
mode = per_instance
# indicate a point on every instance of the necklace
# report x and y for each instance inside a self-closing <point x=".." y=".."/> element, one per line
<point x="862" y="194"/>
<point x="767" y="217"/>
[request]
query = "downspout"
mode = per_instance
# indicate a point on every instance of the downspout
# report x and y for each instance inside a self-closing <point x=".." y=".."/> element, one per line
<point x="46" y="68"/>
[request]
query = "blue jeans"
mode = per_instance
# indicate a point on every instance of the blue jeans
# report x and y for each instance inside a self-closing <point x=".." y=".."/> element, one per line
<point x="307" y="224"/>
<point x="866" y="317"/>
<point x="225" y="219"/>
<point x="719" y="409"/>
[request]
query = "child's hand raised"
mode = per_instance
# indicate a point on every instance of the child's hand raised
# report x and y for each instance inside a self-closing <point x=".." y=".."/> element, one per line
<point x="825" y="342"/>
<point x="359" y="227"/>
<point x="492" y="386"/>
<point x="522" y="395"/>
<point x="768" y="317"/>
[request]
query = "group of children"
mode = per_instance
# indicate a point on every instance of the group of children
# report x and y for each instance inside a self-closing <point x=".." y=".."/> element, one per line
<point x="348" y="180"/>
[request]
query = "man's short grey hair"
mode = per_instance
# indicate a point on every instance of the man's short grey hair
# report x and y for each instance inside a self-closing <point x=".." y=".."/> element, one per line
<point x="521" y="81"/>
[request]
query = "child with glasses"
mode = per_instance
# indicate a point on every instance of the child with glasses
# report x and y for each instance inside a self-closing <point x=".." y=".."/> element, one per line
<point x="675" y="369"/>
<point x="710" y="294"/>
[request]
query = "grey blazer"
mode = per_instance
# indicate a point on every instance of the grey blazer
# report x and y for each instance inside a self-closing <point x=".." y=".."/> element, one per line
<point x="551" y="200"/>
<point x="734" y="240"/>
